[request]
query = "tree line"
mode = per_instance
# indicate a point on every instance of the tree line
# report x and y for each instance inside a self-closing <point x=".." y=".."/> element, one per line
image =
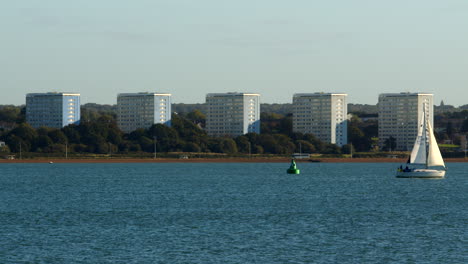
<point x="102" y="136"/>
<point x="98" y="133"/>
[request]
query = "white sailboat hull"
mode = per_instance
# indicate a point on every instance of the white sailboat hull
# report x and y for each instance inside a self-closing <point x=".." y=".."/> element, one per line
<point x="422" y="173"/>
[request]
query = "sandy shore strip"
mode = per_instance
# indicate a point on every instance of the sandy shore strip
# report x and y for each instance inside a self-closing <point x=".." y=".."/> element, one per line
<point x="216" y="160"/>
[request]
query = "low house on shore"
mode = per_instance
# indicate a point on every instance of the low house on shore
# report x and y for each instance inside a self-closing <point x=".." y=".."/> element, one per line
<point x="9" y="157"/>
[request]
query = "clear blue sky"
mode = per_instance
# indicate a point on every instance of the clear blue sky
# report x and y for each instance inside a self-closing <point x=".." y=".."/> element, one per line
<point x="100" y="48"/>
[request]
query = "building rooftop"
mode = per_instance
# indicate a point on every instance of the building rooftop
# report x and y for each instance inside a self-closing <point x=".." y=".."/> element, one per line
<point x="52" y="94"/>
<point x="143" y="94"/>
<point x="402" y="94"/>
<point x="231" y="94"/>
<point x="317" y="94"/>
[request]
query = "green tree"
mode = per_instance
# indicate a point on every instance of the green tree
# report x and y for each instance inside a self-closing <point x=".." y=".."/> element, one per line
<point x="305" y="146"/>
<point x="389" y="144"/>
<point x="55" y="148"/>
<point x="332" y="149"/>
<point x="137" y="134"/>
<point x="284" y="144"/>
<point x="22" y="136"/>
<point x="243" y="144"/>
<point x="5" y="149"/>
<point x="449" y="130"/>
<point x="357" y="136"/>
<point x="17" y="144"/>
<point x="286" y="125"/>
<point x="270" y="123"/>
<point x="359" y="140"/>
<point x="57" y="136"/>
<point x="257" y="149"/>
<point x="228" y="145"/>
<point x="185" y="127"/>
<point x="114" y="136"/>
<point x="347" y="149"/>
<point x="214" y="145"/>
<point x="10" y="114"/>
<point x="268" y="143"/>
<point x="72" y="133"/>
<point x="191" y="147"/>
<point x="318" y="144"/>
<point x="464" y="126"/>
<point x="78" y="148"/>
<point x="99" y="145"/>
<point x="167" y="138"/>
<point x="147" y="144"/>
<point x="135" y="148"/>
<point x="42" y="142"/>
<point x="196" y="116"/>
<point x="25" y="132"/>
<point x="43" y="131"/>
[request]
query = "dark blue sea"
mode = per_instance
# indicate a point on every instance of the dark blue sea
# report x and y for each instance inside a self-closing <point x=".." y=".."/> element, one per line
<point x="230" y="213"/>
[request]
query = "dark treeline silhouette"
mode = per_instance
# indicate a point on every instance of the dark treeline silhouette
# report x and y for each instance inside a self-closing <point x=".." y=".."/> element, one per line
<point x="98" y="133"/>
<point x="102" y="136"/>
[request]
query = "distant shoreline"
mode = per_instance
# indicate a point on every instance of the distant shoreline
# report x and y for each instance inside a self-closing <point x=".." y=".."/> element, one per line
<point x="218" y="160"/>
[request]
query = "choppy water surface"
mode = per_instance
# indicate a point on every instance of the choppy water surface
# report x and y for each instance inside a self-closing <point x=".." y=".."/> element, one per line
<point x="230" y="213"/>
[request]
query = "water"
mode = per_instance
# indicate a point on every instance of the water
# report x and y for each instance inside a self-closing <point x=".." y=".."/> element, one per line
<point x="230" y="213"/>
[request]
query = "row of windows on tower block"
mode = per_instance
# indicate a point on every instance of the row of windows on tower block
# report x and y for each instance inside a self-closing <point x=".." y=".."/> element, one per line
<point x="232" y="114"/>
<point x="52" y="109"/>
<point x="141" y="110"/>
<point x="139" y="117"/>
<point x="141" y="113"/>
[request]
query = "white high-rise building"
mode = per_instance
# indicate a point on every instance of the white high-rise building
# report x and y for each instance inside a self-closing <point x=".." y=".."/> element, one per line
<point x="142" y="110"/>
<point x="232" y="114"/>
<point x="54" y="110"/>
<point x="322" y="114"/>
<point x="399" y="116"/>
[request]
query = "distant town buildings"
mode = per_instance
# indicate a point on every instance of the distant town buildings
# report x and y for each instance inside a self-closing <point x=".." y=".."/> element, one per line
<point x="322" y="114"/>
<point x="232" y="114"/>
<point x="54" y="110"/>
<point x="142" y="110"/>
<point x="399" y="117"/>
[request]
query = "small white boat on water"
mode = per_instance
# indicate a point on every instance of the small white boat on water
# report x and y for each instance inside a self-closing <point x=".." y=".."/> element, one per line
<point x="425" y="160"/>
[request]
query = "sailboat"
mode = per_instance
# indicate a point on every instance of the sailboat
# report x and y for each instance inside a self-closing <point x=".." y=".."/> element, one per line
<point x="425" y="160"/>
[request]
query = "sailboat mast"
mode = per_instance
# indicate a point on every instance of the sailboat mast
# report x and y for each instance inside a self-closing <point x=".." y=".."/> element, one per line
<point x="425" y="133"/>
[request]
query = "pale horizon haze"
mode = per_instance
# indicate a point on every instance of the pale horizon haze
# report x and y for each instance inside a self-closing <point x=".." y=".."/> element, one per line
<point x="274" y="48"/>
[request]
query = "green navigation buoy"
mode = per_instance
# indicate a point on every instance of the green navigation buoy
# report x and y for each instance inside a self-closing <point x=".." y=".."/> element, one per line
<point x="293" y="169"/>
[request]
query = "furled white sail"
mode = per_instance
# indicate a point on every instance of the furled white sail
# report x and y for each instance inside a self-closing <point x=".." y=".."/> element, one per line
<point x="418" y="154"/>
<point x="434" y="158"/>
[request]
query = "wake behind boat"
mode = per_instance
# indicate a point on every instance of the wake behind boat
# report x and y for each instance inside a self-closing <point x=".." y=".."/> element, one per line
<point x="425" y="160"/>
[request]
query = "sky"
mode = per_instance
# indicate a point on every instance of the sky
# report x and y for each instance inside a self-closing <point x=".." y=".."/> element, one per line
<point x="276" y="48"/>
